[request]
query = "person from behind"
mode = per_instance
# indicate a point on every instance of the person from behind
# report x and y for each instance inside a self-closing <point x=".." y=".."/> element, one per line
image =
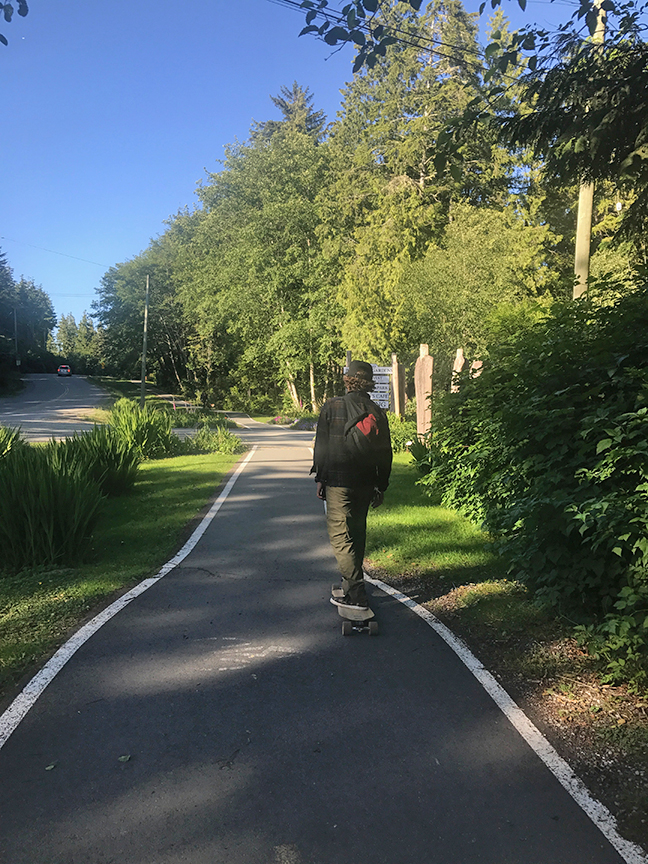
<point x="352" y="463"/>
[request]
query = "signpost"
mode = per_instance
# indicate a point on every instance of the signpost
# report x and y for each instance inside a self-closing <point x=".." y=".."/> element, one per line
<point x="380" y="393"/>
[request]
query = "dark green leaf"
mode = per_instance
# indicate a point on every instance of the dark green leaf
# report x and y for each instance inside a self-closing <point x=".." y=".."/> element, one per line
<point x="522" y="4"/>
<point x="7" y="10"/>
<point x="371" y="5"/>
<point x="3" y="39"/>
<point x="358" y="37"/>
<point x="491" y="49"/>
<point x="311" y="29"/>
<point x="310" y="17"/>
<point x="335" y="35"/>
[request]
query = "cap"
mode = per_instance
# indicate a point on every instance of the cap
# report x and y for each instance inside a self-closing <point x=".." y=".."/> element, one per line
<point x="360" y="369"/>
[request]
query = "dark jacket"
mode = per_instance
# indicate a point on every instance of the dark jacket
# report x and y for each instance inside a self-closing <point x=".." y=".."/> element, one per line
<point x="333" y="463"/>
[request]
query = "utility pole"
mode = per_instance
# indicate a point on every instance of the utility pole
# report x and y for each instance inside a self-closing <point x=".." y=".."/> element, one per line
<point x="143" y="383"/>
<point x="586" y="197"/>
<point x="16" y="337"/>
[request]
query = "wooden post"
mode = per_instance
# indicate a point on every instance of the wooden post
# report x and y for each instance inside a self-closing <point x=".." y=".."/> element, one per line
<point x="398" y="386"/>
<point x="348" y="359"/>
<point x="423" y="372"/>
<point x="457" y="367"/>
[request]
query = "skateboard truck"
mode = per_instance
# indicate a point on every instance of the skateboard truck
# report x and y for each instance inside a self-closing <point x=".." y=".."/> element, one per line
<point x="355" y="620"/>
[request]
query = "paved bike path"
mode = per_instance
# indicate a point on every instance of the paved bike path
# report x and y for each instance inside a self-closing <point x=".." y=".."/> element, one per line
<point x="257" y="734"/>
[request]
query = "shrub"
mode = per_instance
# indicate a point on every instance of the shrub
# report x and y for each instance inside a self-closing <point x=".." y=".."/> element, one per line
<point x="403" y="432"/>
<point x="101" y="454"/>
<point x="549" y="447"/>
<point x="46" y="515"/>
<point x="218" y="440"/>
<point x="145" y="430"/>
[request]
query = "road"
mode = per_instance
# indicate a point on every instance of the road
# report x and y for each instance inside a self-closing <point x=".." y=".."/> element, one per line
<point x="221" y="718"/>
<point x="51" y="407"/>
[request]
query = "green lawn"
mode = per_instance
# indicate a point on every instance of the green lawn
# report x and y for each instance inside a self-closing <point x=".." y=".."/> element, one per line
<point x="407" y="535"/>
<point x="136" y="535"/>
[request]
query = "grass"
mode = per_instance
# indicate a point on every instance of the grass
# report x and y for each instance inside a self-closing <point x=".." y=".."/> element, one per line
<point x="408" y="537"/>
<point x="137" y="533"/>
<point x="123" y="388"/>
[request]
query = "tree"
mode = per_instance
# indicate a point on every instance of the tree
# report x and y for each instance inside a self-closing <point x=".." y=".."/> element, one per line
<point x="295" y="105"/>
<point x="387" y="203"/>
<point x="7" y="11"/>
<point x="486" y="258"/>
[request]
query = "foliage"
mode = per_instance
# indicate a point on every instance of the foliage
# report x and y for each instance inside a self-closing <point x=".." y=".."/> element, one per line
<point x="10" y="440"/>
<point x="621" y="639"/>
<point x="7" y="10"/>
<point x="102" y="455"/>
<point x="358" y="23"/>
<point x="486" y="258"/>
<point x="190" y="418"/>
<point x="402" y="432"/>
<point x="214" y="440"/>
<point x="146" y="431"/>
<point x="548" y="447"/>
<point x="46" y="514"/>
<point x="26" y="318"/>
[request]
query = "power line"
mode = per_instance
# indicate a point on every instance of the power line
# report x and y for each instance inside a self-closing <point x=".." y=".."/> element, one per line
<point x="54" y="252"/>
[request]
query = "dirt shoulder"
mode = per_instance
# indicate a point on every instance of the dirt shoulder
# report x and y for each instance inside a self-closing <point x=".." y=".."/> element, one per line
<point x="601" y="730"/>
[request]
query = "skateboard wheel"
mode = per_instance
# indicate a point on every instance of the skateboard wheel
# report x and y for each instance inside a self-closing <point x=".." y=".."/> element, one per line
<point x="347" y="628"/>
<point x="373" y="628"/>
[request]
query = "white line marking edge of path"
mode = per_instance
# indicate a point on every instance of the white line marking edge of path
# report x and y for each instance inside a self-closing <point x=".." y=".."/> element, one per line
<point x="597" y="812"/>
<point x="25" y="700"/>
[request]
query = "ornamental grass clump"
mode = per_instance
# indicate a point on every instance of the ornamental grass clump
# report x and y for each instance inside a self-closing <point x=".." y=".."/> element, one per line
<point x="46" y="515"/>
<point x="145" y="430"/>
<point x="218" y="440"/>
<point x="102" y="455"/>
<point x="10" y="440"/>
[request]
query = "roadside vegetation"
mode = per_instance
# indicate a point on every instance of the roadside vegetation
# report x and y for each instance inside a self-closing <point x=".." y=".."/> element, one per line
<point x="134" y="535"/>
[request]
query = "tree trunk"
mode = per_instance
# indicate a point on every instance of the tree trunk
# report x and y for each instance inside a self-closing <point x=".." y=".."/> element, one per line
<point x="292" y="390"/>
<point x="312" y="389"/>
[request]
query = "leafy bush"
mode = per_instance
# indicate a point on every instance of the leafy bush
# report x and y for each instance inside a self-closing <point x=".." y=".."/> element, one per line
<point x="549" y="447"/>
<point x="46" y="514"/>
<point x="403" y="432"/>
<point x="145" y="430"/>
<point x="101" y="454"/>
<point x="218" y="440"/>
<point x="190" y="418"/>
<point x="10" y="440"/>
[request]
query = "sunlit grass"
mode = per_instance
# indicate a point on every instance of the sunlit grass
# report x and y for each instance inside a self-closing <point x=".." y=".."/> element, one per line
<point x="137" y="533"/>
<point x="407" y="535"/>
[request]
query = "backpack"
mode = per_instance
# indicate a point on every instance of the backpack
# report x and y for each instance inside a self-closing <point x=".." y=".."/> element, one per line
<point x="362" y="433"/>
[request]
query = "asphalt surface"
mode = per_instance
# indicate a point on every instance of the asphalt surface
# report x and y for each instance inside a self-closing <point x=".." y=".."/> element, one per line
<point x="51" y="407"/>
<point x="257" y="734"/>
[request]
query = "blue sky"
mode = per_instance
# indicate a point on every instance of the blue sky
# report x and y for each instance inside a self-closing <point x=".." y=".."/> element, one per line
<point x="113" y="111"/>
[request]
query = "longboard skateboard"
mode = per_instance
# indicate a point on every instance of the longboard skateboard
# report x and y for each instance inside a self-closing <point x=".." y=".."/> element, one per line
<point x="358" y="620"/>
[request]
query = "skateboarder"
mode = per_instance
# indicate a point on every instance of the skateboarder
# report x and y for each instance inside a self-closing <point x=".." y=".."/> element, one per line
<point x="351" y="481"/>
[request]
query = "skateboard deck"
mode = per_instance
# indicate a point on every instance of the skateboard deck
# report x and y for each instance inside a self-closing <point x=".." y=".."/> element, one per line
<point x="359" y="620"/>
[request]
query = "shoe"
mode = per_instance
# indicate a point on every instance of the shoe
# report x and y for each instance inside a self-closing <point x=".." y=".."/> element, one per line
<point x="348" y="604"/>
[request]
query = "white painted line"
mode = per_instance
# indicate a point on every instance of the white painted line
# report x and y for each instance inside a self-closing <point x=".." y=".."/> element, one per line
<point x="10" y="719"/>
<point x="597" y="812"/>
